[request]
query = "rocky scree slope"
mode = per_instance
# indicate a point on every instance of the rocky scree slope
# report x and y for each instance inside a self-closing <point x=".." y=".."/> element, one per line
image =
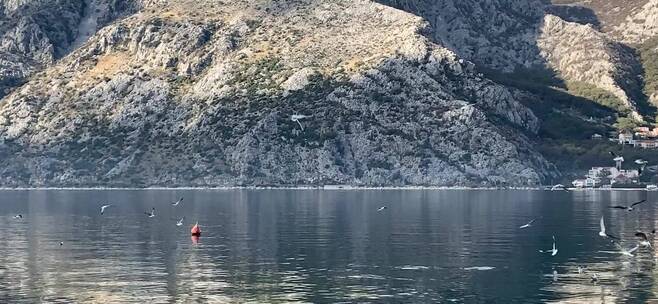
<point x="640" y="29"/>
<point x="36" y="33"/>
<point x="202" y="94"/>
<point x="511" y="35"/>
<point x="580" y="53"/>
<point x="640" y="25"/>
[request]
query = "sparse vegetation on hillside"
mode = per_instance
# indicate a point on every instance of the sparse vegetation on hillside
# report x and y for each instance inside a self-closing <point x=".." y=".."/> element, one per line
<point x="649" y="59"/>
<point x="570" y="114"/>
<point x="569" y="111"/>
<point x="609" y="13"/>
<point x="573" y="157"/>
<point x="597" y="95"/>
<point x="626" y="124"/>
<point x="562" y="115"/>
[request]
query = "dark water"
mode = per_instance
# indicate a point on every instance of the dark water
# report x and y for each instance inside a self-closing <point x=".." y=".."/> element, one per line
<point x="275" y="246"/>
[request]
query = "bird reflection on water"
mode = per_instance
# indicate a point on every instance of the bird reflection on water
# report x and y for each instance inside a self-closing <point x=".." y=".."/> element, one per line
<point x="323" y="247"/>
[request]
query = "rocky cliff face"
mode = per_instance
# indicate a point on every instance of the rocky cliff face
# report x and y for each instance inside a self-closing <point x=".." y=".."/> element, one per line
<point x="36" y="33"/>
<point x="640" y="25"/>
<point x="507" y="35"/>
<point x="32" y="34"/>
<point x="260" y="93"/>
<point x="498" y="34"/>
<point x="605" y="14"/>
<point x="253" y="92"/>
<point x="582" y="53"/>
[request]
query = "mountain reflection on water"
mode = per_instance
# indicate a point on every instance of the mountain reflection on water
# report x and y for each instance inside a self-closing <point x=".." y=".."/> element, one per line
<point x="321" y="246"/>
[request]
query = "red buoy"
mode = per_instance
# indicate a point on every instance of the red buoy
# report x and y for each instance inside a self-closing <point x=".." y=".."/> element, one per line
<point x="196" y="231"/>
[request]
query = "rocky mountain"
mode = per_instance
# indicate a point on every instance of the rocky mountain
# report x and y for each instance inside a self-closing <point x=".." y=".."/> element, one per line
<point x="204" y="96"/>
<point x="640" y="25"/>
<point x="507" y="35"/>
<point x="580" y="53"/>
<point x="498" y="34"/>
<point x="256" y="92"/>
<point x="36" y="33"/>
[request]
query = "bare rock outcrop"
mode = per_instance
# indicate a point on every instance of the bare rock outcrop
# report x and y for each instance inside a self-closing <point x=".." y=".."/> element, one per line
<point x="497" y="34"/>
<point x="508" y="35"/>
<point x="639" y="26"/>
<point x="195" y="93"/>
<point x="36" y="33"/>
<point x="582" y="53"/>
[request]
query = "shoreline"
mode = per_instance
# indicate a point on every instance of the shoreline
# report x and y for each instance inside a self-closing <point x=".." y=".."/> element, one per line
<point x="326" y="188"/>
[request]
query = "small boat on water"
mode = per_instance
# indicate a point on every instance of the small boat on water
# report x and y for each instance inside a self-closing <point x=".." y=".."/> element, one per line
<point x="196" y="231"/>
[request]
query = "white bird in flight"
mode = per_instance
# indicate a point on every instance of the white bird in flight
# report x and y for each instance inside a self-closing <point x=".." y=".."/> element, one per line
<point x="559" y="187"/>
<point x="529" y="224"/>
<point x="152" y="213"/>
<point x="603" y="233"/>
<point x="616" y="157"/>
<point x="18" y="216"/>
<point x="628" y="252"/>
<point x="177" y="202"/>
<point x="296" y="118"/>
<point x="552" y="251"/>
<point x="628" y="208"/>
<point x="180" y="222"/>
<point x="105" y="207"/>
<point x="644" y="238"/>
<point x="382" y="208"/>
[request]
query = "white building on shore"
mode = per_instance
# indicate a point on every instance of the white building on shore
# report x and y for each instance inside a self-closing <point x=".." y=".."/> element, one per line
<point x="600" y="176"/>
<point x="644" y="139"/>
<point x="626" y="138"/>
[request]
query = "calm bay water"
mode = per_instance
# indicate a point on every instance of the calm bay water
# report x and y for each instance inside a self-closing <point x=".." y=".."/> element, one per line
<point x="276" y="246"/>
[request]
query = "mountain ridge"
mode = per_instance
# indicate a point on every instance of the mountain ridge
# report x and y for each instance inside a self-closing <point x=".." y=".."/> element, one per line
<point x="185" y="93"/>
<point x="126" y="121"/>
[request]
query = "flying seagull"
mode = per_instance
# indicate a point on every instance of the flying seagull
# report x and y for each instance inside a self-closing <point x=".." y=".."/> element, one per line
<point x="552" y="251"/>
<point x="644" y="238"/>
<point x="529" y="224"/>
<point x="61" y="243"/>
<point x="296" y="118"/>
<point x="616" y="157"/>
<point x="152" y="213"/>
<point x="18" y="216"/>
<point x="628" y="252"/>
<point x="603" y="233"/>
<point x="559" y="187"/>
<point x="177" y="202"/>
<point x="382" y="208"/>
<point x="180" y="222"/>
<point x="628" y="208"/>
<point x="104" y="207"/>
